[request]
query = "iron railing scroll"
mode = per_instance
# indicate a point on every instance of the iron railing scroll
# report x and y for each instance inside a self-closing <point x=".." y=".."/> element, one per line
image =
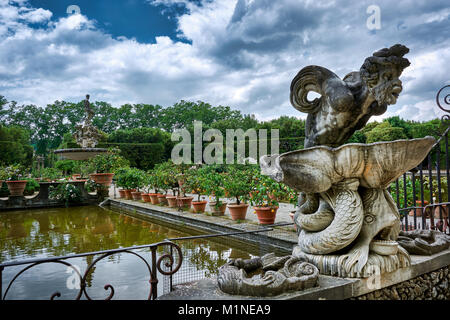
<point x="166" y="264"/>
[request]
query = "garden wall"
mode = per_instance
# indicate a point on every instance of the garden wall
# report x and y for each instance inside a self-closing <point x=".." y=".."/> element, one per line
<point x="429" y="286"/>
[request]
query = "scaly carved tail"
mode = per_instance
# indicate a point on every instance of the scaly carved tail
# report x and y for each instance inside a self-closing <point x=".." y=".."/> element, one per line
<point x="346" y="225"/>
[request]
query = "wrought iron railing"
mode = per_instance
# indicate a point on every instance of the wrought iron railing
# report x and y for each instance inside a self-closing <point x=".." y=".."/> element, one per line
<point x="167" y="264"/>
<point x="153" y="267"/>
<point x="423" y="193"/>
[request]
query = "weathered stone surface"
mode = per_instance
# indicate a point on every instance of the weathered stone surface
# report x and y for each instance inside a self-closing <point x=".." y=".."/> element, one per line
<point x="348" y="223"/>
<point x="346" y="105"/>
<point x="277" y="275"/>
<point x="424" y="242"/>
<point x="423" y="287"/>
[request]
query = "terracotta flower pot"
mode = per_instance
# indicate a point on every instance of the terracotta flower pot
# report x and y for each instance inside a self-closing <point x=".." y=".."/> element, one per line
<point x="76" y="176"/>
<point x="266" y="215"/>
<point x="217" y="211"/>
<point x="146" y="197"/>
<point x="154" y="198"/>
<point x="16" y="188"/>
<point x="419" y="211"/>
<point x="105" y="179"/>
<point x="185" y="202"/>
<point x="238" y="211"/>
<point x="172" y="201"/>
<point x="122" y="193"/>
<point x="128" y="195"/>
<point x="443" y="211"/>
<point x="162" y="199"/>
<point x="137" y="195"/>
<point x="199" y="206"/>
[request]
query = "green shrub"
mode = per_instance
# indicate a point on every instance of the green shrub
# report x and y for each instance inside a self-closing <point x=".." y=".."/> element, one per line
<point x="66" y="166"/>
<point x="108" y="162"/>
<point x="131" y="178"/>
<point x="51" y="174"/>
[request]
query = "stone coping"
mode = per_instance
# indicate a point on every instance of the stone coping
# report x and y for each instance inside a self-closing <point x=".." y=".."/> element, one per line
<point x="280" y="239"/>
<point x="330" y="288"/>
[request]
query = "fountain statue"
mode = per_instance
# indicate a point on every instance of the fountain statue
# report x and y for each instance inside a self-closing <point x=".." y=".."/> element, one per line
<point x="347" y="219"/>
<point x="86" y="135"/>
<point x="347" y="222"/>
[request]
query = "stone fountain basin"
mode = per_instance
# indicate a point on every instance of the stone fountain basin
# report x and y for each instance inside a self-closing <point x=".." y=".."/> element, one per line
<point x="80" y="153"/>
<point x="376" y="165"/>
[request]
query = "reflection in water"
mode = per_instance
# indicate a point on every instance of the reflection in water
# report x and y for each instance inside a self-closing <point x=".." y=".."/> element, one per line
<point x="58" y="232"/>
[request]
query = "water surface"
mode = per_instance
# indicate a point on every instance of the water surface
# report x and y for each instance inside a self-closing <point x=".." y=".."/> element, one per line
<point x="64" y="231"/>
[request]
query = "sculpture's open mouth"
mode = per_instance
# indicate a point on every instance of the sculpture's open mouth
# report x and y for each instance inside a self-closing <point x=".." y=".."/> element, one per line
<point x="384" y="247"/>
<point x="380" y="244"/>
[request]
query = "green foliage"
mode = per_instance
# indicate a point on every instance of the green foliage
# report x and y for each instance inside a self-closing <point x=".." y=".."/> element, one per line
<point x="13" y="172"/>
<point x="164" y="176"/>
<point x="385" y="132"/>
<point x="430" y="190"/>
<point x="214" y="181"/>
<point x="131" y="178"/>
<point x="265" y="192"/>
<point x="238" y="182"/>
<point x="108" y="162"/>
<point x="67" y="166"/>
<point x="50" y="174"/>
<point x="31" y="187"/>
<point x="357" y="137"/>
<point x="66" y="192"/>
<point x="195" y="181"/>
<point x="15" y="146"/>
<point x="142" y="147"/>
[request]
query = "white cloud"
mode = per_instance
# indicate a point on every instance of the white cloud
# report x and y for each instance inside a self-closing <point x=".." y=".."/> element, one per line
<point x="242" y="54"/>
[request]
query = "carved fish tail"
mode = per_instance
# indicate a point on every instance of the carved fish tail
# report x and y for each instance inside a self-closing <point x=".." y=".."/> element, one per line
<point x="345" y="226"/>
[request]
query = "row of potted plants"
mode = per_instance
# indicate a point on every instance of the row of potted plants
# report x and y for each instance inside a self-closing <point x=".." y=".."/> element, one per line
<point x="101" y="170"/>
<point x="169" y="184"/>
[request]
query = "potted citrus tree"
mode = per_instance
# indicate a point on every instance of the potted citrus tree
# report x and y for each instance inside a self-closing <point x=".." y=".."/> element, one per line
<point x="170" y="172"/>
<point x="214" y="187"/>
<point x="152" y="184"/>
<point x="15" y="175"/>
<point x="238" y="185"/>
<point x="135" y="180"/>
<point x="195" y="183"/>
<point x="121" y="182"/>
<point x="264" y="199"/>
<point x="105" y="166"/>
<point x="163" y="183"/>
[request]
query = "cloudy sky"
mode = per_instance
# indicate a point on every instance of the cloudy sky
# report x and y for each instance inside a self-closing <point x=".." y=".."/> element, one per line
<point x="240" y="53"/>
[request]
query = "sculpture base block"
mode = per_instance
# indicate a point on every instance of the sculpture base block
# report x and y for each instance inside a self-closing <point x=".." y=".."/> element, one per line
<point x="333" y="265"/>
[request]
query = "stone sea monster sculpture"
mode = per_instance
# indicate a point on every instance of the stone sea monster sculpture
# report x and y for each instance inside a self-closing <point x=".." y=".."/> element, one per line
<point x="348" y="221"/>
<point x="275" y="275"/>
<point x="424" y="242"/>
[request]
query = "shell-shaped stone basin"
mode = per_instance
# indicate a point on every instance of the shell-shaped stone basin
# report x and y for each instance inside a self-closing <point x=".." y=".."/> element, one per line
<point x="376" y="165"/>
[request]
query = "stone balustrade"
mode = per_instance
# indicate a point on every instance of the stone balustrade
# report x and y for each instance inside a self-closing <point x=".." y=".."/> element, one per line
<point x="42" y="200"/>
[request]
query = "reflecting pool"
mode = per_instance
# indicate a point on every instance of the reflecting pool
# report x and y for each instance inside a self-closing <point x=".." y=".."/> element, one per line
<point x="64" y="231"/>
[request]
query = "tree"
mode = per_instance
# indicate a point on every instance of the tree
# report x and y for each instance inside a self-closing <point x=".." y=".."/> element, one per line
<point x="15" y="146"/>
<point x="143" y="147"/>
<point x="385" y="132"/>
